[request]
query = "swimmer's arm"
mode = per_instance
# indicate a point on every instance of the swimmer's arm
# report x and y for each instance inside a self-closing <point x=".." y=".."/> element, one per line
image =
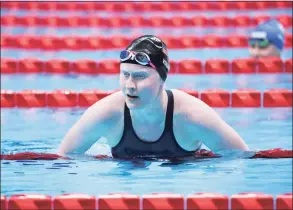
<point x="214" y="132"/>
<point x="93" y="124"/>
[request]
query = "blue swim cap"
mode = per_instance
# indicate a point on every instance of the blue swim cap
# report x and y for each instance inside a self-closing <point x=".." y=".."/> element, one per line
<point x="272" y="30"/>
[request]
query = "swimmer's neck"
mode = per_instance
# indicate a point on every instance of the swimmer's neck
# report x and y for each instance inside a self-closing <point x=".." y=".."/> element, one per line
<point x="153" y="113"/>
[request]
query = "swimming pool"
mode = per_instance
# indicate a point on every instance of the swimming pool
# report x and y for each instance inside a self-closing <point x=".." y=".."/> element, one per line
<point x="42" y="129"/>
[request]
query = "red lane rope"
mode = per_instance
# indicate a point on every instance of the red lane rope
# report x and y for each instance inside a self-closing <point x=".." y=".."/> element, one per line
<point x="146" y="6"/>
<point x="212" y="97"/>
<point x="55" y="43"/>
<point x="155" y="201"/>
<point x="140" y="21"/>
<point x="185" y="66"/>
<point x="271" y="153"/>
<point x="31" y="156"/>
<point x="274" y="153"/>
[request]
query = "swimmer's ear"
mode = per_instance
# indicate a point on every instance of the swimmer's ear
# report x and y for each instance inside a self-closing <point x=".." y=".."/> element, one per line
<point x="161" y="81"/>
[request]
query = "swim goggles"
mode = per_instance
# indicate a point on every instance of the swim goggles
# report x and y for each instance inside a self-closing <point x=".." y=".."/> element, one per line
<point x="262" y="43"/>
<point x="140" y="57"/>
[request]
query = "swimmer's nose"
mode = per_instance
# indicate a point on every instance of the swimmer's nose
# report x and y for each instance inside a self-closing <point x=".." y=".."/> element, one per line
<point x="130" y="85"/>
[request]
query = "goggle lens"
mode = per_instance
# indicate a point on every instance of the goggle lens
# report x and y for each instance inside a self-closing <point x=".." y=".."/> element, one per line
<point x="262" y="43"/>
<point x="139" y="57"/>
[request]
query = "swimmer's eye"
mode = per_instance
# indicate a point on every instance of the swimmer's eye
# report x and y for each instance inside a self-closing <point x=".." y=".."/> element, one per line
<point x="263" y="47"/>
<point x="253" y="46"/>
<point x="126" y="74"/>
<point x="140" y="75"/>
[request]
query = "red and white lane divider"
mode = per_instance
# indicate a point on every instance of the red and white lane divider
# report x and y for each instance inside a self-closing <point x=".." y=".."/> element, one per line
<point x="139" y="21"/>
<point x="151" y="201"/>
<point x="213" y="97"/>
<point x="55" y="43"/>
<point x="154" y="201"/>
<point x="186" y="66"/>
<point x="146" y="6"/>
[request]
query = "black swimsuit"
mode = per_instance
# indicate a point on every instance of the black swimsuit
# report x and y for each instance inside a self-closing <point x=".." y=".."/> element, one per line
<point x="165" y="147"/>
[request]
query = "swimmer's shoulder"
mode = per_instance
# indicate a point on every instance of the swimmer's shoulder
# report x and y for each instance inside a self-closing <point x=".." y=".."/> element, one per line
<point x="109" y="107"/>
<point x="187" y="106"/>
<point x="183" y="100"/>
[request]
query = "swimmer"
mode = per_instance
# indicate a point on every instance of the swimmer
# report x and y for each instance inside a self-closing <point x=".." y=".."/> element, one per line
<point x="145" y="120"/>
<point x="267" y="39"/>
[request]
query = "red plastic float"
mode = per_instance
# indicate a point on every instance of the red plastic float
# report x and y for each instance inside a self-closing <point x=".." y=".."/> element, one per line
<point x="62" y="98"/>
<point x="284" y="202"/>
<point x="240" y="66"/>
<point x="85" y="67"/>
<point x="217" y="66"/>
<point x="270" y="65"/>
<point x="216" y="97"/>
<point x="3" y="203"/>
<point x="87" y="98"/>
<point x="236" y="40"/>
<point x="30" y="65"/>
<point x="30" y="98"/>
<point x="188" y="66"/>
<point x="109" y="67"/>
<point x="59" y="66"/>
<point x="203" y="201"/>
<point x="158" y="201"/>
<point x="9" y="66"/>
<point x="74" y="201"/>
<point x="119" y="201"/>
<point x="7" y="99"/>
<point x="258" y="201"/>
<point x="30" y="202"/>
<point x="246" y="98"/>
<point x="277" y="98"/>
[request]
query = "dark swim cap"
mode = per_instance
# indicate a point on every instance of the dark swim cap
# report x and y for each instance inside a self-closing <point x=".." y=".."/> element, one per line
<point x="156" y="49"/>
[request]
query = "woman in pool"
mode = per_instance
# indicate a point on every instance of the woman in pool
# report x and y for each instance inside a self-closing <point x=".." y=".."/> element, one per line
<point x="144" y="119"/>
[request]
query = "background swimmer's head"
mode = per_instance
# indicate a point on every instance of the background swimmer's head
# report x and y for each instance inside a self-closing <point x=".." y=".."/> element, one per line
<point x="267" y="39"/>
<point x="143" y="71"/>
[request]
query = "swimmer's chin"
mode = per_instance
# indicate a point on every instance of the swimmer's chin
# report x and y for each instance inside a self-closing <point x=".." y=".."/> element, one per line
<point x="133" y="106"/>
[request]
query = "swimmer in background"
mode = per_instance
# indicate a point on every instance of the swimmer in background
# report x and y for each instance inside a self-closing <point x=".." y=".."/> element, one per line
<point x="144" y="119"/>
<point x="267" y="39"/>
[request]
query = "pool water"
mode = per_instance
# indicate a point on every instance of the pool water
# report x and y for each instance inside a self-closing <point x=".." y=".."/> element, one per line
<point x="41" y="130"/>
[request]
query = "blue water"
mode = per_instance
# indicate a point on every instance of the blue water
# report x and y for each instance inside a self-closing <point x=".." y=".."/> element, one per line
<point x="31" y="130"/>
<point x="41" y="130"/>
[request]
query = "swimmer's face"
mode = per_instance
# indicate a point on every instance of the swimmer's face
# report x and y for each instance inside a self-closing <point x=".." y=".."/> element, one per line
<point x="257" y="51"/>
<point x="139" y="84"/>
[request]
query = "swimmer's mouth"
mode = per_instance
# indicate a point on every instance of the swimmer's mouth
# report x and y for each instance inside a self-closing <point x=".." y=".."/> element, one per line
<point x="132" y="97"/>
